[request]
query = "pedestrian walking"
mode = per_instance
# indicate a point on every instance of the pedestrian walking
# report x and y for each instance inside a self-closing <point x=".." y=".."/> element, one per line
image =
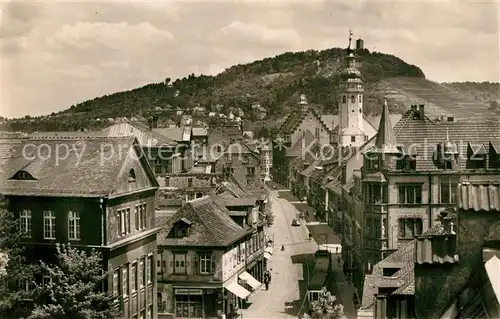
<point x="267" y="279"/>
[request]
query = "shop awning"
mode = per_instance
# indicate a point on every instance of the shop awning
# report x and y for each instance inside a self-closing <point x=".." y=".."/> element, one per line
<point x="254" y="283"/>
<point x="268" y="253"/>
<point x="238" y="290"/>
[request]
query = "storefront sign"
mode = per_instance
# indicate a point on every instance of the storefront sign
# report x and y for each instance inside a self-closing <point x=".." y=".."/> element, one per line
<point x="185" y="291"/>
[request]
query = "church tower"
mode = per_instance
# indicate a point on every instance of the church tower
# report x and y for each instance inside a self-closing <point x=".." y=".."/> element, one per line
<point x="351" y="131"/>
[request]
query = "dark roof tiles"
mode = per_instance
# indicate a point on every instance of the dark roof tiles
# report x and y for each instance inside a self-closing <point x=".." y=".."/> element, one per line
<point x="211" y="225"/>
<point x="70" y="167"/>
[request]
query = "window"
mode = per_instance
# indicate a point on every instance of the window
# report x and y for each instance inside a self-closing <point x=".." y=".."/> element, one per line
<point x="141" y="316"/>
<point x="142" y="273"/>
<point x="407" y="163"/>
<point x="476" y="158"/>
<point x="188" y="306"/>
<point x="150" y="312"/>
<point x="448" y="190"/>
<point x="121" y="218"/>
<point x="180" y="263"/>
<point x="410" y="194"/>
<point x="158" y="166"/>
<point x="144" y="216"/>
<point x="127" y="220"/>
<point x="125" y="280"/>
<point x="376" y="193"/>
<point x="344" y="99"/>
<point x="353" y="99"/>
<point x="150" y="269"/>
<point x="46" y="280"/>
<point x="250" y="171"/>
<point x="131" y="175"/>
<point x="205" y="263"/>
<point x="190" y="182"/>
<point x="316" y="133"/>
<point x="360" y="99"/>
<point x="366" y="138"/>
<point x="353" y="138"/>
<point x="167" y="181"/>
<point x="133" y="277"/>
<point x="25" y="220"/>
<point x="74" y="225"/>
<point x="371" y="161"/>
<point x="116" y="282"/>
<point x="410" y="227"/>
<point x="24" y="284"/>
<point x="49" y="225"/>
<point x="137" y="217"/>
<point x="245" y="159"/>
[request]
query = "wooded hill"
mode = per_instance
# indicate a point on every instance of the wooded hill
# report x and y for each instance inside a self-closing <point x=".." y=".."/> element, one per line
<point x="275" y="83"/>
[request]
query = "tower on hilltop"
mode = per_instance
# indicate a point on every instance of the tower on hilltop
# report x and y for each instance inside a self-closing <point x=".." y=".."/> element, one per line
<point x="350" y="102"/>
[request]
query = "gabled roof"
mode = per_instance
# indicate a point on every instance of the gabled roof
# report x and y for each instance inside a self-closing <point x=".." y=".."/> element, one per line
<point x="211" y="225"/>
<point x="90" y="168"/>
<point x="310" y="169"/>
<point x="297" y="148"/>
<point x="232" y="188"/>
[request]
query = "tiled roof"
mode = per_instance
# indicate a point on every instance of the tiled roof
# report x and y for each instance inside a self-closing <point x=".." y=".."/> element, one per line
<point x="211" y="225"/>
<point x="173" y="133"/>
<point x="246" y="201"/>
<point x="425" y="135"/>
<point x="90" y="168"/>
<point x="232" y="188"/>
<point x="67" y="134"/>
<point x="310" y="169"/>
<point x="479" y="196"/>
<point x="403" y="279"/>
<point x="199" y="131"/>
<point x="144" y="136"/>
<point x="330" y="120"/>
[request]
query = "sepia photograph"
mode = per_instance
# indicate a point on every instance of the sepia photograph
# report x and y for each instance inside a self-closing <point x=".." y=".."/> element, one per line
<point x="216" y="159"/>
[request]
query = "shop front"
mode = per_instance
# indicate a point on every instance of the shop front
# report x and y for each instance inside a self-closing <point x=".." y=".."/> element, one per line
<point x="195" y="302"/>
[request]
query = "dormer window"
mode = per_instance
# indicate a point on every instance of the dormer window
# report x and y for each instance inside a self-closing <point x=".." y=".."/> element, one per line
<point x="476" y="156"/>
<point x="131" y="175"/>
<point x="23" y="175"/>
<point x="181" y="228"/>
<point x="407" y="163"/>
<point x="372" y="161"/>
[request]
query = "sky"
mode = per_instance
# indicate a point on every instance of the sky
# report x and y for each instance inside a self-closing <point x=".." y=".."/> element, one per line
<point x="58" y="53"/>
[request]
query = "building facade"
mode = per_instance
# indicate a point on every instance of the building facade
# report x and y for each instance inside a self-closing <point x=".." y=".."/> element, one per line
<point x="411" y="175"/>
<point x="240" y="161"/>
<point x="105" y="202"/>
<point x="208" y="265"/>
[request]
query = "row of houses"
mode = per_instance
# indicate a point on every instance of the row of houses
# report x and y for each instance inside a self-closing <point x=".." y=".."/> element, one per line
<point x="101" y="192"/>
<point x="382" y="187"/>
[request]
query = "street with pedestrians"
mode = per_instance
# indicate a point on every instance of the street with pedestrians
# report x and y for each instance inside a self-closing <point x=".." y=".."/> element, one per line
<point x="290" y="266"/>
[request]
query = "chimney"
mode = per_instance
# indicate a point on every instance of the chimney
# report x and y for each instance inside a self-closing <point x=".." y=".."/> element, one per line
<point x="421" y="111"/>
<point x="450" y="119"/>
<point x="413" y="107"/>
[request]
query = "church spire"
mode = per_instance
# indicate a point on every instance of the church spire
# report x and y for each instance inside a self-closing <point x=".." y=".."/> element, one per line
<point x="386" y="139"/>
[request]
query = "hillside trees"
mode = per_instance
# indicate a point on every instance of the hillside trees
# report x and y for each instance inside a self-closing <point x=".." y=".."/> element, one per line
<point x="325" y="307"/>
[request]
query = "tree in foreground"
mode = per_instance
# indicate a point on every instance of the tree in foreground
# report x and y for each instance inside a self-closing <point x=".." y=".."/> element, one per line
<point x="15" y="272"/>
<point x="325" y="307"/>
<point x="75" y="290"/>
